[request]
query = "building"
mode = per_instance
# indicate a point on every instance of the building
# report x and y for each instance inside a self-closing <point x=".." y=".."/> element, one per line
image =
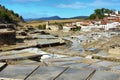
<point x="51" y="27"/>
<point x="110" y="23"/>
<point x="68" y="28"/>
<point x="7" y="34"/>
<point x="85" y="25"/>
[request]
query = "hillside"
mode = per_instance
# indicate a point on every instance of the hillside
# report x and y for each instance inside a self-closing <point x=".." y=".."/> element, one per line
<point x="8" y="16"/>
<point x="43" y="18"/>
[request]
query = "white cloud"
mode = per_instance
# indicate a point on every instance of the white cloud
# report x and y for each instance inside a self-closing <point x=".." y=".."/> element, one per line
<point x="25" y="0"/>
<point x="33" y="15"/>
<point x="116" y="0"/>
<point x="95" y="4"/>
<point x="101" y="3"/>
<point x="75" y="5"/>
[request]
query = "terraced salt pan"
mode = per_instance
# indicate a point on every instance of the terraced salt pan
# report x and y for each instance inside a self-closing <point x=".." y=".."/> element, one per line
<point x="75" y="74"/>
<point x="117" y="67"/>
<point x="77" y="65"/>
<point x="106" y="75"/>
<point x="63" y="61"/>
<point x="17" y="71"/>
<point x="106" y="63"/>
<point x="98" y="67"/>
<point x="46" y="73"/>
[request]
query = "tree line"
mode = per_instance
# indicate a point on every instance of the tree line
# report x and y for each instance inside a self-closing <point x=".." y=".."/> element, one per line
<point x="100" y="13"/>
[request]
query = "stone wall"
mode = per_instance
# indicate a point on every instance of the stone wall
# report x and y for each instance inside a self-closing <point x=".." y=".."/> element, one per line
<point x="8" y="38"/>
<point x="115" y="50"/>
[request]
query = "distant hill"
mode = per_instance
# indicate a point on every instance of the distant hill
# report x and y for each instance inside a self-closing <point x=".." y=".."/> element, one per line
<point x="78" y="17"/>
<point x="54" y="18"/>
<point x="8" y="16"/>
<point x="44" y="18"/>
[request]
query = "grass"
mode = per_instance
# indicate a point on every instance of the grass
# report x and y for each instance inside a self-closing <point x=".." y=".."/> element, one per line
<point x="36" y="23"/>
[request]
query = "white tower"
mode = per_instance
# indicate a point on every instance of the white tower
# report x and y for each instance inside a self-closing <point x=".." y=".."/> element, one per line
<point x="47" y="24"/>
<point x="116" y="12"/>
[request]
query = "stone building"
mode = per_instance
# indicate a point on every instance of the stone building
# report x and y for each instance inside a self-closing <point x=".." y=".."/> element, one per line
<point x="51" y="27"/>
<point x="7" y="34"/>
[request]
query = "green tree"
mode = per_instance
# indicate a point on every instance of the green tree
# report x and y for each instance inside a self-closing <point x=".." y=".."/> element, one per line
<point x="42" y="27"/>
<point x="118" y="12"/>
<point x="100" y="13"/>
<point x="92" y="16"/>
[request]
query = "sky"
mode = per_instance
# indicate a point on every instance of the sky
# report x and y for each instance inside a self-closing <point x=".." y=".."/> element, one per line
<point x="62" y="8"/>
